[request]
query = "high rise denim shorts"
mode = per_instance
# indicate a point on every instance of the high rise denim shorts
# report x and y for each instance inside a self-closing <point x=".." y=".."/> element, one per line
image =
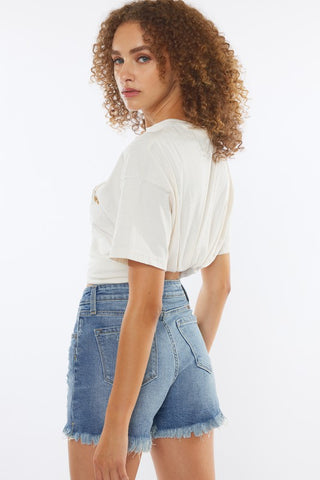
<point x="178" y="392"/>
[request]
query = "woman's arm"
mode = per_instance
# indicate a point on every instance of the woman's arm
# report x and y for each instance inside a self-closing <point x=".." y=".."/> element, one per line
<point x="212" y="297"/>
<point x="208" y="310"/>
<point x="138" y="328"/>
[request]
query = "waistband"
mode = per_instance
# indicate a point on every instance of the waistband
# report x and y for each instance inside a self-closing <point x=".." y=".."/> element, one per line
<point x="92" y="291"/>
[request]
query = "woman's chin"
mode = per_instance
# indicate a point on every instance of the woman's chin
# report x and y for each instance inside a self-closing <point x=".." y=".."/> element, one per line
<point x="135" y="108"/>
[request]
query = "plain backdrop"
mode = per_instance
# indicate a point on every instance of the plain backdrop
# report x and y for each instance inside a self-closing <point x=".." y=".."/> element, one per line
<point x="56" y="146"/>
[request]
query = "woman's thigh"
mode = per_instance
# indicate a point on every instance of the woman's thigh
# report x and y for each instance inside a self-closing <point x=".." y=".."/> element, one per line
<point x="184" y="458"/>
<point x="81" y="461"/>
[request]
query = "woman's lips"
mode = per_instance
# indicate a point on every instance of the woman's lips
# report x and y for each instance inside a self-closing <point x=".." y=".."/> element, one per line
<point x="130" y="93"/>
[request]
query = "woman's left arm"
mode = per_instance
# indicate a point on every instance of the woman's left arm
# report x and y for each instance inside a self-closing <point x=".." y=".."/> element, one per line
<point x="137" y="331"/>
<point x="138" y="327"/>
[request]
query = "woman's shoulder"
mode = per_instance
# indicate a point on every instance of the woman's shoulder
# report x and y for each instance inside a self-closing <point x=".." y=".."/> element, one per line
<point x="146" y="153"/>
<point x="155" y="141"/>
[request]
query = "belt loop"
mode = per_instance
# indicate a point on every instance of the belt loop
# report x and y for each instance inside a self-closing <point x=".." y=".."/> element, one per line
<point x="93" y="299"/>
<point x="185" y="292"/>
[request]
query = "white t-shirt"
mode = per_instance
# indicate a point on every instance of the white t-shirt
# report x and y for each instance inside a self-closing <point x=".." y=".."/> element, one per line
<point x="166" y="203"/>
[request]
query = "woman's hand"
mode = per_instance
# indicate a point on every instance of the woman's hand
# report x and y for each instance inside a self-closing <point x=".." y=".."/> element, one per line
<point x="109" y="459"/>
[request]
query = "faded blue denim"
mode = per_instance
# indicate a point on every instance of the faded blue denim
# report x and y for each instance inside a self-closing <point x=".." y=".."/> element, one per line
<point x="178" y="393"/>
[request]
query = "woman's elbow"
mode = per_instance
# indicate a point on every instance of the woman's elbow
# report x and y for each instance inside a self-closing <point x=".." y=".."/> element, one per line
<point x="147" y="310"/>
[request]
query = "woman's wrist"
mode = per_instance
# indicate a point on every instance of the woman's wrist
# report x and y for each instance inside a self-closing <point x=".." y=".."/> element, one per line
<point x="116" y="419"/>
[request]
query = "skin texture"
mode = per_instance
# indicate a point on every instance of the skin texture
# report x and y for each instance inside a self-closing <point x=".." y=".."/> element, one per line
<point x="158" y="99"/>
<point x="185" y="458"/>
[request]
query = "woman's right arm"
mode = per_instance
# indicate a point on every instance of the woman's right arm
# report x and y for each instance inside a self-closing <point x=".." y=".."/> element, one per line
<point x="212" y="297"/>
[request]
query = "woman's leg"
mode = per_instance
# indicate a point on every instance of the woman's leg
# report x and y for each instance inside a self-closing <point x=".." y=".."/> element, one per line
<point x="81" y="461"/>
<point x="184" y="458"/>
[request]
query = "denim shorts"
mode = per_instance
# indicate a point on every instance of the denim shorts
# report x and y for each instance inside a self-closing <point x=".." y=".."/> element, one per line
<point x="178" y="392"/>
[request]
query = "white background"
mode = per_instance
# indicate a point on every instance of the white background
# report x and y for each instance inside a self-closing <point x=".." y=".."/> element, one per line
<point x="55" y="146"/>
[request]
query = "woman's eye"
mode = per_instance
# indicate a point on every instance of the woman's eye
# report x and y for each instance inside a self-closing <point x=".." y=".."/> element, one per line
<point x="141" y="56"/>
<point x="144" y="56"/>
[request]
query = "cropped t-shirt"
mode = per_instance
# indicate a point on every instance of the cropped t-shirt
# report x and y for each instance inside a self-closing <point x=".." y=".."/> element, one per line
<point x="166" y="203"/>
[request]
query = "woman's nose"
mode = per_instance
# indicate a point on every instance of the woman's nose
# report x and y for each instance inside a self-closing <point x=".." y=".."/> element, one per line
<point x="126" y="71"/>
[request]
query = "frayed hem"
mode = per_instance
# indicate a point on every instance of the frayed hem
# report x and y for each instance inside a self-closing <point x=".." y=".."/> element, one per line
<point x="85" y="438"/>
<point x="135" y="445"/>
<point x="139" y="445"/>
<point x="197" y="428"/>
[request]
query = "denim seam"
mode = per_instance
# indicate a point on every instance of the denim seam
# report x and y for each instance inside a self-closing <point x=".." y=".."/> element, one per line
<point x="186" y="306"/>
<point x="93" y="296"/>
<point x="106" y="298"/>
<point x="74" y="367"/>
<point x="176" y="358"/>
<point x="103" y="312"/>
<point x="86" y="312"/>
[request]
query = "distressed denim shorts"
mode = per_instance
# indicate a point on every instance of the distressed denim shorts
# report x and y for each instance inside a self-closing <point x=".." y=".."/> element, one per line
<point x="178" y="392"/>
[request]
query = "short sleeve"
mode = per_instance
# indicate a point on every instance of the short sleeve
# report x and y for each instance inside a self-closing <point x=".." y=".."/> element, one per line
<point x="143" y="223"/>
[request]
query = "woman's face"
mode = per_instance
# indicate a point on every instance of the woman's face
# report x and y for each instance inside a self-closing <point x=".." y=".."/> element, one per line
<point x="138" y="70"/>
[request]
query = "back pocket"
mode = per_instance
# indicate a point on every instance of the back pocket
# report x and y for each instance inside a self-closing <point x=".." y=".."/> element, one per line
<point x="189" y="329"/>
<point x="108" y="340"/>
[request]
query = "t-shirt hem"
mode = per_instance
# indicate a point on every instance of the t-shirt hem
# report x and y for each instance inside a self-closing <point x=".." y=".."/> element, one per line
<point x="123" y="257"/>
<point x="226" y="250"/>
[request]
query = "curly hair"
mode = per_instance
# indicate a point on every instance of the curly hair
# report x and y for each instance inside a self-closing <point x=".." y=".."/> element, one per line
<point x="213" y="94"/>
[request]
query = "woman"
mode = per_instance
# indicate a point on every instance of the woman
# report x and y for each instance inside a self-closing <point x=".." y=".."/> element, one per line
<point x="140" y="376"/>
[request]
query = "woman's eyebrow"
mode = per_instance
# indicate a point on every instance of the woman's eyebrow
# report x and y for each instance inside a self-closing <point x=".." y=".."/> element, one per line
<point x="133" y="50"/>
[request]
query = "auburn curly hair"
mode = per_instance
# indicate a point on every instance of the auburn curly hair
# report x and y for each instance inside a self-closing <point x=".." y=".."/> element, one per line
<point x="213" y="93"/>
